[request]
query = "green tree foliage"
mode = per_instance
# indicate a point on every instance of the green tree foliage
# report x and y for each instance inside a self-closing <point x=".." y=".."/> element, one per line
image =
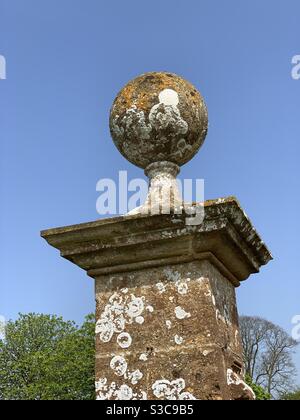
<point x="293" y="396"/>
<point x="44" y="357"/>
<point x="260" y="393"/>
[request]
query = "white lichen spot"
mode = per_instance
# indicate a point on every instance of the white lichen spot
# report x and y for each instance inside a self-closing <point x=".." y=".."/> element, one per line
<point x="124" y="290"/>
<point x="124" y="340"/>
<point x="210" y="294"/>
<point x="182" y="288"/>
<point x="135" y="376"/>
<point x="119" y="365"/>
<point x="99" y="385"/>
<point x="161" y="287"/>
<point x="124" y="393"/>
<point x="135" y="307"/>
<point x="186" y="396"/>
<point x="150" y="309"/>
<point x="103" y="390"/>
<point x="167" y="234"/>
<point x="143" y="357"/>
<point x="169" y="97"/>
<point x="181" y="313"/>
<point x="167" y="390"/>
<point x="105" y="329"/>
<point x="178" y="340"/>
<point x="207" y="352"/>
<point x="140" y="320"/>
<point x="169" y="324"/>
<point x="119" y="324"/>
<point x="176" y="278"/>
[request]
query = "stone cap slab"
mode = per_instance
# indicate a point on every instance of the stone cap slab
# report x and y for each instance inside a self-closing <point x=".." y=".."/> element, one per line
<point x="226" y="237"/>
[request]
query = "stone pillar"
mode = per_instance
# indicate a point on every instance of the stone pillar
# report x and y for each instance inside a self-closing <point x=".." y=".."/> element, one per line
<point x="167" y="322"/>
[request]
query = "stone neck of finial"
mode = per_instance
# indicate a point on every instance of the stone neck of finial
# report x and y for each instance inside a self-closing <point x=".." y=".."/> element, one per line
<point x="164" y="195"/>
<point x="163" y="168"/>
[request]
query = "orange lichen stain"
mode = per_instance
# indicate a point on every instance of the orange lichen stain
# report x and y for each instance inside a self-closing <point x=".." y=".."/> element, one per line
<point x="124" y="99"/>
<point x="143" y="92"/>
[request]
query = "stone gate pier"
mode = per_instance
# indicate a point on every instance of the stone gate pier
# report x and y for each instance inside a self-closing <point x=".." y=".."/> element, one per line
<point x="167" y="322"/>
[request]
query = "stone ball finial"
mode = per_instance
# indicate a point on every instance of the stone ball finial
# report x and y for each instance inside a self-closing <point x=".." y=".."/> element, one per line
<point x="158" y="117"/>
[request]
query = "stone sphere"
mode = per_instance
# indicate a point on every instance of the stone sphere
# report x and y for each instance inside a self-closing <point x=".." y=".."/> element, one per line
<point x="158" y="117"/>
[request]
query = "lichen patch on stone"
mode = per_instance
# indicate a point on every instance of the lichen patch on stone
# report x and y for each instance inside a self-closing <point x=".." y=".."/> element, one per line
<point x="168" y="324"/>
<point x="181" y="313"/>
<point x="143" y="357"/>
<point x="178" y="339"/>
<point x="124" y="340"/>
<point x="121" y="310"/>
<point x="106" y="391"/>
<point x="119" y="365"/>
<point x="171" y="390"/>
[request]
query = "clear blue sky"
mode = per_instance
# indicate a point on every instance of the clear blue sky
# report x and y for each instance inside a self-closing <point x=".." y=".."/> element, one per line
<point x="66" y="60"/>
